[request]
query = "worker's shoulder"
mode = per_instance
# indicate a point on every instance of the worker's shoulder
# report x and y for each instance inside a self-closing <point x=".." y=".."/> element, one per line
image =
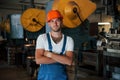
<point x="69" y="37"/>
<point x="43" y="35"/>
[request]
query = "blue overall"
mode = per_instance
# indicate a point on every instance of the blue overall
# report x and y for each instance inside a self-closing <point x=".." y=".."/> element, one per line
<point x="54" y="71"/>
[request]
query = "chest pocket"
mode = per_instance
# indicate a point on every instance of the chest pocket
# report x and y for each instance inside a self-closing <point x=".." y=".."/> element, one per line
<point x="50" y="45"/>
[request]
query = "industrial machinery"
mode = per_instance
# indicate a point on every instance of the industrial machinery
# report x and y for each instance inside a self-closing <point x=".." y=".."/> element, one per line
<point x="5" y="25"/>
<point x="73" y="11"/>
<point x="33" y="19"/>
<point x="112" y="57"/>
<point x="114" y="43"/>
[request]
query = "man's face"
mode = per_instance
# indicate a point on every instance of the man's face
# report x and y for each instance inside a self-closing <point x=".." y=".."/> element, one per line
<point x="55" y="24"/>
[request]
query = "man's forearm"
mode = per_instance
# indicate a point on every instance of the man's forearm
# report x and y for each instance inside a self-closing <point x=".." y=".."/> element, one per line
<point x="45" y="60"/>
<point x="62" y="59"/>
<point x="59" y="58"/>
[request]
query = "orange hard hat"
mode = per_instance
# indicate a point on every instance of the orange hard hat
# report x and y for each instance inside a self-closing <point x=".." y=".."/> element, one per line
<point x="53" y="14"/>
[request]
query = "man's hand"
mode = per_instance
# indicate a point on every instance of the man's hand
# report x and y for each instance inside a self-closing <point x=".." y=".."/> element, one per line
<point x="48" y="54"/>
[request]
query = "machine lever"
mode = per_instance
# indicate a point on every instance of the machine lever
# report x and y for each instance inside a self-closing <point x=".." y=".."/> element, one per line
<point x="34" y="20"/>
<point x="76" y="12"/>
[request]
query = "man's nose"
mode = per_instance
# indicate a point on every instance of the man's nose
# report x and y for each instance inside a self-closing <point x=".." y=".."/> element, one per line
<point x="55" y="22"/>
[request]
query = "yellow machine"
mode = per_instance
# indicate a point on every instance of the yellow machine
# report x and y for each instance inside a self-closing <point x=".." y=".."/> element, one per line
<point x="33" y="19"/>
<point x="5" y="25"/>
<point x="74" y="13"/>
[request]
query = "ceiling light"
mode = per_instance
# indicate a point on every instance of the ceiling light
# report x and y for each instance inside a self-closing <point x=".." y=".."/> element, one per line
<point x="103" y="23"/>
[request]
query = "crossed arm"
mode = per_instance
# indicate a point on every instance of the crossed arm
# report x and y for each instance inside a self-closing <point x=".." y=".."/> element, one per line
<point x="46" y="57"/>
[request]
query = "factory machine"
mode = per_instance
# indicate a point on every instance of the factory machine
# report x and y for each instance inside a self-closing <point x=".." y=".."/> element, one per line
<point x="111" y="56"/>
<point x="74" y="12"/>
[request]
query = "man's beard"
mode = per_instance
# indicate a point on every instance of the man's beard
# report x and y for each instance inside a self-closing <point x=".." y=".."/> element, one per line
<point x="56" y="30"/>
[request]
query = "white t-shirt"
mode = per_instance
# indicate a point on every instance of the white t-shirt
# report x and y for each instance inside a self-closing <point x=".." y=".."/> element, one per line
<point x="42" y="43"/>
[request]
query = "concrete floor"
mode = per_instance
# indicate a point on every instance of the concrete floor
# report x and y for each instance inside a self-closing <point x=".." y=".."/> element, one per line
<point x="12" y="72"/>
<point x="82" y="75"/>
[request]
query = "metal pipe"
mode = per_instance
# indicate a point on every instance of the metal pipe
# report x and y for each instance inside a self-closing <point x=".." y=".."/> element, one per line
<point x="32" y="4"/>
<point x="28" y="3"/>
<point x="11" y="8"/>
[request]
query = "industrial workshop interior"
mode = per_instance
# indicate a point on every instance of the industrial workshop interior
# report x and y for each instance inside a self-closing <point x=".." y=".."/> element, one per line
<point x="94" y="26"/>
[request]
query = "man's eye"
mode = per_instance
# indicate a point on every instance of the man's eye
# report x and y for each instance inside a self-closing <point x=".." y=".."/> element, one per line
<point x="58" y="20"/>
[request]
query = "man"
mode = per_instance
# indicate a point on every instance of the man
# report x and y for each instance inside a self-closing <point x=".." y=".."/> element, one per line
<point x="54" y="50"/>
<point x="103" y="33"/>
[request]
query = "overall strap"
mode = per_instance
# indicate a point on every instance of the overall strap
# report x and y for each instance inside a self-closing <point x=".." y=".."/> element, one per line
<point x="64" y="44"/>
<point x="49" y="42"/>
